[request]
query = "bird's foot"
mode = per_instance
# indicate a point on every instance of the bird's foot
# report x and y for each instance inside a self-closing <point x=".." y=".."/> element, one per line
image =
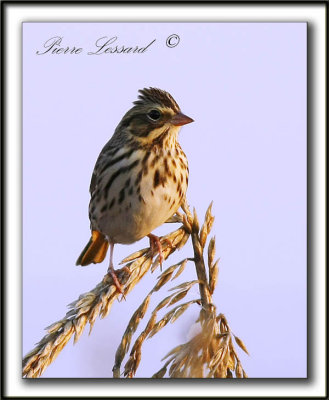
<point x="156" y="247"/>
<point x="112" y="273"/>
<point x="170" y="243"/>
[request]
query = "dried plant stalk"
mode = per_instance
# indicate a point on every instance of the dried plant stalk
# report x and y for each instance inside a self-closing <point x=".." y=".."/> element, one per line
<point x="210" y="353"/>
<point x="198" y="255"/>
<point x="96" y="303"/>
<point x="139" y="314"/>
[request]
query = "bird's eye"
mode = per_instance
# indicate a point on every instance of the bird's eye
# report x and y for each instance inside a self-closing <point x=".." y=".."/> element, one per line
<point x="154" y="115"/>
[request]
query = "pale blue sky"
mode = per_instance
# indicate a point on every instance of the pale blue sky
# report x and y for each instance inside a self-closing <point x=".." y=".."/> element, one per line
<point x="245" y="87"/>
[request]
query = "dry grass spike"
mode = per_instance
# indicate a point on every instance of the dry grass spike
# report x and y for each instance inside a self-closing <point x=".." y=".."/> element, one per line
<point x="209" y="354"/>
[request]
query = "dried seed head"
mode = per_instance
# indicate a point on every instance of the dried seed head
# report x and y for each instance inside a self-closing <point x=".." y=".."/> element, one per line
<point x="187" y="211"/>
<point x="209" y="219"/>
<point x="162" y="281"/>
<point x="178" y="217"/>
<point x="178" y="296"/>
<point x="191" y="359"/>
<point x="238" y="370"/>
<point x="159" y="325"/>
<point x="213" y="275"/>
<point x="163" y="303"/>
<point x="203" y="235"/>
<point x="160" y="374"/>
<point x="208" y="353"/>
<point x="241" y="344"/>
<point x="183" y="241"/>
<point x="231" y="361"/>
<point x="211" y="252"/>
<point x="182" y="266"/>
<point x="187" y="224"/>
<point x="196" y="225"/>
<point x="135" y="255"/>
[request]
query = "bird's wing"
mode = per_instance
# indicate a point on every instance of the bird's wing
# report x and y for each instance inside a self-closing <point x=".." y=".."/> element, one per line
<point x="93" y="182"/>
<point x="108" y="151"/>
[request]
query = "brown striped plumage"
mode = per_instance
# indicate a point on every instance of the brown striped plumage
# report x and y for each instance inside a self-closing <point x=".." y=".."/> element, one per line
<point x="140" y="177"/>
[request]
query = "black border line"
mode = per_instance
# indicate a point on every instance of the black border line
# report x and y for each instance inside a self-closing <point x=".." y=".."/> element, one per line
<point x="310" y="174"/>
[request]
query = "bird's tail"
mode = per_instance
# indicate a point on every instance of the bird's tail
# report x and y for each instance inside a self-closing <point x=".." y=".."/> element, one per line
<point x="95" y="251"/>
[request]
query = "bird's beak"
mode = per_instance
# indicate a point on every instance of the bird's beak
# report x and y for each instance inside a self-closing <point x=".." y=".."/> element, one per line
<point x="181" y="119"/>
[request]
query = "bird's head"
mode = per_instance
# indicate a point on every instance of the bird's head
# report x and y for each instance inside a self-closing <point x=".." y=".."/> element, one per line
<point x="154" y="114"/>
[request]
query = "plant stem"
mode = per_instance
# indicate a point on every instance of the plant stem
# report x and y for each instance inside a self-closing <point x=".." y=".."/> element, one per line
<point x="206" y="299"/>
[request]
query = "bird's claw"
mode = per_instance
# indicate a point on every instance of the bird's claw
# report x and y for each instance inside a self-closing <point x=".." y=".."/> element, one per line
<point x="111" y="272"/>
<point x="156" y="246"/>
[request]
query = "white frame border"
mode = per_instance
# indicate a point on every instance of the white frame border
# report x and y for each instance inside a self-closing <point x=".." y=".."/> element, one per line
<point x="314" y="14"/>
